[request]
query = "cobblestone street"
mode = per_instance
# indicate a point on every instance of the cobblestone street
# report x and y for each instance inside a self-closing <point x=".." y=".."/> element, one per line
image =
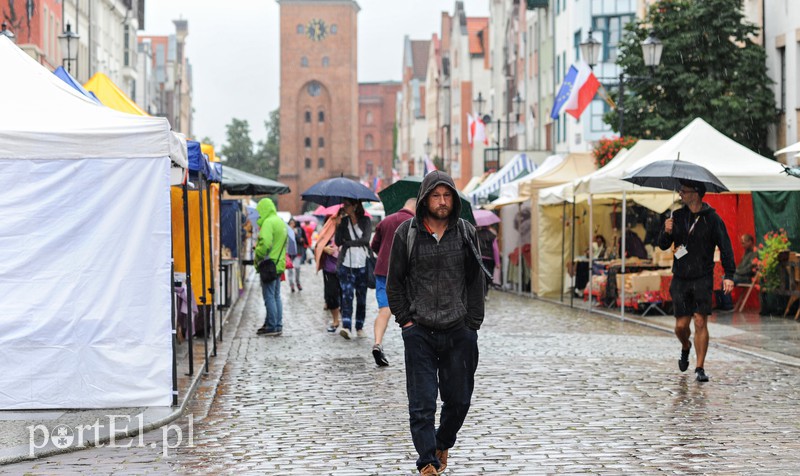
<point x="557" y="391"/>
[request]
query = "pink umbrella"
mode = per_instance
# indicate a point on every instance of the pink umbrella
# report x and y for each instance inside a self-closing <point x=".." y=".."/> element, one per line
<point x="485" y="218"/>
<point x="305" y="218"/>
<point x="319" y="211"/>
<point x="333" y="210"/>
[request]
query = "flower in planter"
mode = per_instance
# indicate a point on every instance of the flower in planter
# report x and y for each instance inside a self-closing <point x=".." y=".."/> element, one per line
<point x="768" y="258"/>
<point x="607" y="148"/>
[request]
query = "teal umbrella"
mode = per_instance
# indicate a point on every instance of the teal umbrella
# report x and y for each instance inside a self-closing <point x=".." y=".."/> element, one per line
<point x="395" y="195"/>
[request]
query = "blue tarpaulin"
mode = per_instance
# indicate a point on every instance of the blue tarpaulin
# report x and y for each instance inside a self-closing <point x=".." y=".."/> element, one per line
<point x="230" y="224"/>
<point x="64" y="75"/>
<point x="198" y="162"/>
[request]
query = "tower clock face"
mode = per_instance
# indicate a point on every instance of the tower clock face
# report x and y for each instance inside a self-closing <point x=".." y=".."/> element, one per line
<point x="317" y="30"/>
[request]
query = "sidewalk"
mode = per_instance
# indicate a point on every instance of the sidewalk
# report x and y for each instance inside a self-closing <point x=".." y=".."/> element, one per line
<point x="772" y="338"/>
<point x="21" y="439"/>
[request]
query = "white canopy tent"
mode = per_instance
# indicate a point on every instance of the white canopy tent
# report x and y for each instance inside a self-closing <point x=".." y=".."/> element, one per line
<point x="85" y="233"/>
<point x="739" y="168"/>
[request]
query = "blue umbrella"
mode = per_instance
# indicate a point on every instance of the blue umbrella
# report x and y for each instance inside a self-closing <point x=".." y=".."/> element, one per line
<point x="333" y="191"/>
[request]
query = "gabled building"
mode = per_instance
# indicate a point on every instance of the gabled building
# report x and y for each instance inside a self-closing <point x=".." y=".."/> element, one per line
<point x="412" y="128"/>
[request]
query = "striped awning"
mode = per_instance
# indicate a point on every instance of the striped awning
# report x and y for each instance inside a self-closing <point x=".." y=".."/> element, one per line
<point x="518" y="166"/>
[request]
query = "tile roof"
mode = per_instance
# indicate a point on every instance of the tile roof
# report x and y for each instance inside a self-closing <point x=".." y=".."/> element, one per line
<point x="474" y="26"/>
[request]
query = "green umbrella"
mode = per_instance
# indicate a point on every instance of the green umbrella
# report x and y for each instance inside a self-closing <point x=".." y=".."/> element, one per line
<point x="395" y="195"/>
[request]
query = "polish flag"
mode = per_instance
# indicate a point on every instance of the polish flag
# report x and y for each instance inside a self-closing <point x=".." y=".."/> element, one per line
<point x="583" y="91"/>
<point x="477" y="130"/>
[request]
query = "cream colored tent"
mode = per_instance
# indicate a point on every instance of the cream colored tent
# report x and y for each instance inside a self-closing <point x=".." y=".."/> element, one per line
<point x="545" y="264"/>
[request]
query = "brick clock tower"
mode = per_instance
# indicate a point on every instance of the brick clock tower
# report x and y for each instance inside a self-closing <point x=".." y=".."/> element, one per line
<point x="319" y="95"/>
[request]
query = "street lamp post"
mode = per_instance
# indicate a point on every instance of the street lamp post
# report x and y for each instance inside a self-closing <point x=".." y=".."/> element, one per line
<point x="8" y="33"/>
<point x="65" y="41"/>
<point x="651" y="53"/>
<point x="516" y="104"/>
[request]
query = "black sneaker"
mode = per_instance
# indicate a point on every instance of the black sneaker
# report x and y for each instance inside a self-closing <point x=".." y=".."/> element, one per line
<point x="683" y="363"/>
<point x="380" y="359"/>
<point x="700" y="375"/>
<point x="261" y="330"/>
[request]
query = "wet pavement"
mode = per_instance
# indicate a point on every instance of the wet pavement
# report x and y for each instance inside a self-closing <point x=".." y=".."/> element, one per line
<point x="558" y="390"/>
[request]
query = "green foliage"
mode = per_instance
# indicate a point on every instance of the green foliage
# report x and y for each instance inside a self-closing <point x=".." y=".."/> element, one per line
<point x="710" y="68"/>
<point x="261" y="159"/>
<point x="439" y="163"/>
<point x="238" y="151"/>
<point x="267" y="157"/>
<point x="607" y="149"/>
<point x="767" y="261"/>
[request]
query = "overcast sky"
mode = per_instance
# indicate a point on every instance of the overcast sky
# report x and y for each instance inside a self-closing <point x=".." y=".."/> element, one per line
<point x="233" y="47"/>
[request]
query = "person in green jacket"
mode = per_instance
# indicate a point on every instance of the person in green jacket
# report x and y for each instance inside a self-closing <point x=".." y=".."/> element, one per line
<point x="272" y="241"/>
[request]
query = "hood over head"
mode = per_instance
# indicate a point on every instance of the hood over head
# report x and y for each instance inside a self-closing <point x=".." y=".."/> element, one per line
<point x="431" y="181"/>
<point x="265" y="209"/>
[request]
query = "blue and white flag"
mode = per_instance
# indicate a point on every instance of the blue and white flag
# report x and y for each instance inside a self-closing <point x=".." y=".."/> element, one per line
<point x="565" y="91"/>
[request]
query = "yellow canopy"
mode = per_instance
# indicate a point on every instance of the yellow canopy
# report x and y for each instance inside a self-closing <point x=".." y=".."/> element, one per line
<point x="111" y="95"/>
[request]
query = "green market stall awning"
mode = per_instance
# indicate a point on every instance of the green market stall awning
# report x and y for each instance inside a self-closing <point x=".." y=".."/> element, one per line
<point x="239" y="182"/>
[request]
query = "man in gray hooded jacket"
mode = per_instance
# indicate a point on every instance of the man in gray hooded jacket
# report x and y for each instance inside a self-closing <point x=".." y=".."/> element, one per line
<point x="435" y="291"/>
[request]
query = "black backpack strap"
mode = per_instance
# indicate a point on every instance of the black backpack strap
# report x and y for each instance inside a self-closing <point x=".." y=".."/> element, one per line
<point x="411" y="236"/>
<point x="477" y="254"/>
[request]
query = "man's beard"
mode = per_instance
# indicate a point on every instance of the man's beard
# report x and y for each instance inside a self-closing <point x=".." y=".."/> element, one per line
<point x="441" y="212"/>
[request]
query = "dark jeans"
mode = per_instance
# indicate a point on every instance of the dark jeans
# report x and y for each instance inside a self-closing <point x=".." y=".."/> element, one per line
<point x="353" y="281"/>
<point x="443" y="362"/>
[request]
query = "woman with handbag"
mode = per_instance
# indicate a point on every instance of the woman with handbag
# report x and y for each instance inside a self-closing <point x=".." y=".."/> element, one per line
<point x="352" y="236"/>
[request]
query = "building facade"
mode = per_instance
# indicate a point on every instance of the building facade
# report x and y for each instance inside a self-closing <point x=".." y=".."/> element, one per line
<point x="412" y="127"/>
<point x="166" y="78"/>
<point x="318" y="94"/>
<point x="377" y="109"/>
<point x="780" y="20"/>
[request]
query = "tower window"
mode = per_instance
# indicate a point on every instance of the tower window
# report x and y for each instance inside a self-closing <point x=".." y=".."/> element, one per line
<point x="321" y="116"/>
<point x="308" y="142"/>
<point x="334" y="29"/>
<point x="308" y="163"/>
<point x="304" y="62"/>
<point x="321" y="142"/>
<point x="301" y="29"/>
<point x="325" y="61"/>
<point x="368" y="142"/>
<point x="321" y="163"/>
<point x="369" y="117"/>
<point x="308" y="116"/>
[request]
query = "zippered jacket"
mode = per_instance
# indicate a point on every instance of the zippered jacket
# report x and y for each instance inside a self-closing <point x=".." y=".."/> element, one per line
<point x="708" y="232"/>
<point x="439" y="285"/>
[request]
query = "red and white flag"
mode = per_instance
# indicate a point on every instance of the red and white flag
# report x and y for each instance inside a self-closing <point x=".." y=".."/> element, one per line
<point x="583" y="91"/>
<point x="477" y="130"/>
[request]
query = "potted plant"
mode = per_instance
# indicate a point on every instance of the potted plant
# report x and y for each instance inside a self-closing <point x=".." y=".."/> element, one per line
<point x="775" y="246"/>
<point x="607" y="148"/>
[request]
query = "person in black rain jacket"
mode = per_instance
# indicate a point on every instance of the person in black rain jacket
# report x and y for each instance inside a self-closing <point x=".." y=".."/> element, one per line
<point x="695" y="230"/>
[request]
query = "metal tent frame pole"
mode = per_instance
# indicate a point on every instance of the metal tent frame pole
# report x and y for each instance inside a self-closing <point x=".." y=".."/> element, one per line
<point x="188" y="280"/>
<point x="591" y="249"/>
<point x="212" y="286"/>
<point x="201" y="182"/>
<point x="622" y="253"/>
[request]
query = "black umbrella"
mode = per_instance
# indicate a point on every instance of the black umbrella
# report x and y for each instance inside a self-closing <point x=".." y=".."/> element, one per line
<point x="238" y="182"/>
<point x="667" y="174"/>
<point x="333" y="191"/>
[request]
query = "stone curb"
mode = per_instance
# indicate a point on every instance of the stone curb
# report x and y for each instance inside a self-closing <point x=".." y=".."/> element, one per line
<point x="157" y="420"/>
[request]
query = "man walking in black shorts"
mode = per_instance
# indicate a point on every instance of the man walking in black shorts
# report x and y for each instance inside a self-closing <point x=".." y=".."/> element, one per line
<point x="695" y="230"/>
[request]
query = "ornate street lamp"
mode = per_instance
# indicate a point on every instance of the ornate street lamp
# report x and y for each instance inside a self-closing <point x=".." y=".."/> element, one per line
<point x="8" y="33"/>
<point x="651" y="50"/>
<point x="479" y="103"/>
<point x="428" y="146"/>
<point x="651" y="53"/>
<point x="517" y="105"/>
<point x="590" y="50"/>
<point x="65" y="41"/>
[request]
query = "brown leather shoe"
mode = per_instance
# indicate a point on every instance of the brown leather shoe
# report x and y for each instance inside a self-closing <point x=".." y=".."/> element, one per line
<point x="429" y="470"/>
<point x="442" y="456"/>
